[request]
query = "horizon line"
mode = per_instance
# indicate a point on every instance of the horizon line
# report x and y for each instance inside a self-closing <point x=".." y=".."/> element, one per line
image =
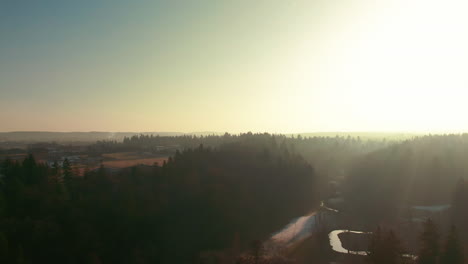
<point x="245" y="132"/>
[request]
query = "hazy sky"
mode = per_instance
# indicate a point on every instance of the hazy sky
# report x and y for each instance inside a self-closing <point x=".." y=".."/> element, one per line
<point x="239" y="65"/>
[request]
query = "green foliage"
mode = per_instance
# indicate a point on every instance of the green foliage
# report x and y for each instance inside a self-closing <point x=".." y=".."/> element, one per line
<point x="422" y="171"/>
<point x="453" y="252"/>
<point x="384" y="248"/>
<point x="199" y="200"/>
<point x="67" y="171"/>
<point x="3" y="248"/>
<point x="429" y="251"/>
<point x="330" y="154"/>
<point x="460" y="208"/>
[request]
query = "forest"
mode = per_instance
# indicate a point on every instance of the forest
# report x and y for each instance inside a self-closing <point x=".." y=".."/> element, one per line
<point x="234" y="132"/>
<point x="219" y="199"/>
<point x="202" y="199"/>
<point x="329" y="155"/>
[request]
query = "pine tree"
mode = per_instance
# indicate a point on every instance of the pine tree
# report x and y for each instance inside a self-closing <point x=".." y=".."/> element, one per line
<point x="374" y="253"/>
<point x="393" y="248"/>
<point x="67" y="171"/>
<point x="30" y="170"/>
<point x="429" y="252"/>
<point x="20" y="255"/>
<point x="460" y="206"/>
<point x="3" y="202"/>
<point x="55" y="175"/>
<point x="452" y="253"/>
<point x="384" y="248"/>
<point x="3" y="248"/>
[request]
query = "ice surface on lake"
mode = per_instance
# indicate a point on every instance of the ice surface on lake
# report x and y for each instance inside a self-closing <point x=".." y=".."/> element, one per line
<point x="337" y="246"/>
<point x="433" y="208"/>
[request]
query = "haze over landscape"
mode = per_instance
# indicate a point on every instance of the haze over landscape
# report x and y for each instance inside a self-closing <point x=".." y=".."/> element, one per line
<point x="236" y="66"/>
<point x="234" y="132"/>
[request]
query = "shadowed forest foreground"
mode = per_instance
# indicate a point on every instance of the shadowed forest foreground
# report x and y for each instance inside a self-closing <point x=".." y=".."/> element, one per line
<point x="219" y="199"/>
<point x="200" y="200"/>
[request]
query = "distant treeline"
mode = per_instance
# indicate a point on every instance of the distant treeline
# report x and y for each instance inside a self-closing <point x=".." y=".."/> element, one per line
<point x="385" y="247"/>
<point x="201" y="200"/>
<point x="91" y="137"/>
<point x="422" y="171"/>
<point x="331" y="156"/>
<point x="69" y="137"/>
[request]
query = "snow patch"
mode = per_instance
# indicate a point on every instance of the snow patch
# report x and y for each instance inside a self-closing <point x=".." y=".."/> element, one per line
<point x="297" y="229"/>
<point x="337" y="246"/>
<point x="433" y="208"/>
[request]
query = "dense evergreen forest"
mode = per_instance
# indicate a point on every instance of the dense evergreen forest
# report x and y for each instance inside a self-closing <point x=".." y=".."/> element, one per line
<point x="331" y="156"/>
<point x="422" y="171"/>
<point x="386" y="247"/>
<point x="217" y="194"/>
<point x="201" y="200"/>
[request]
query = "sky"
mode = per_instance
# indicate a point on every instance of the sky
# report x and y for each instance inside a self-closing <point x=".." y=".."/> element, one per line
<point x="280" y="66"/>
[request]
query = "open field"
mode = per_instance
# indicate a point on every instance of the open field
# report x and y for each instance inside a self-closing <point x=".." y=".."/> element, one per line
<point x="132" y="162"/>
<point x="83" y="162"/>
<point x="125" y="155"/>
<point x="128" y="159"/>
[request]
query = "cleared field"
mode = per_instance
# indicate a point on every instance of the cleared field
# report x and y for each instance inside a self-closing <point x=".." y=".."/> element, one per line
<point x="123" y="155"/>
<point x="133" y="162"/>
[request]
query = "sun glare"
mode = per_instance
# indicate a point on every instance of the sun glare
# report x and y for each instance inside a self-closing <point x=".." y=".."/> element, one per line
<point x="402" y="66"/>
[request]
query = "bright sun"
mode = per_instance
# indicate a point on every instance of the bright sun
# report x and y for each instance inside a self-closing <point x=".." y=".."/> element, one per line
<point x="399" y="65"/>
